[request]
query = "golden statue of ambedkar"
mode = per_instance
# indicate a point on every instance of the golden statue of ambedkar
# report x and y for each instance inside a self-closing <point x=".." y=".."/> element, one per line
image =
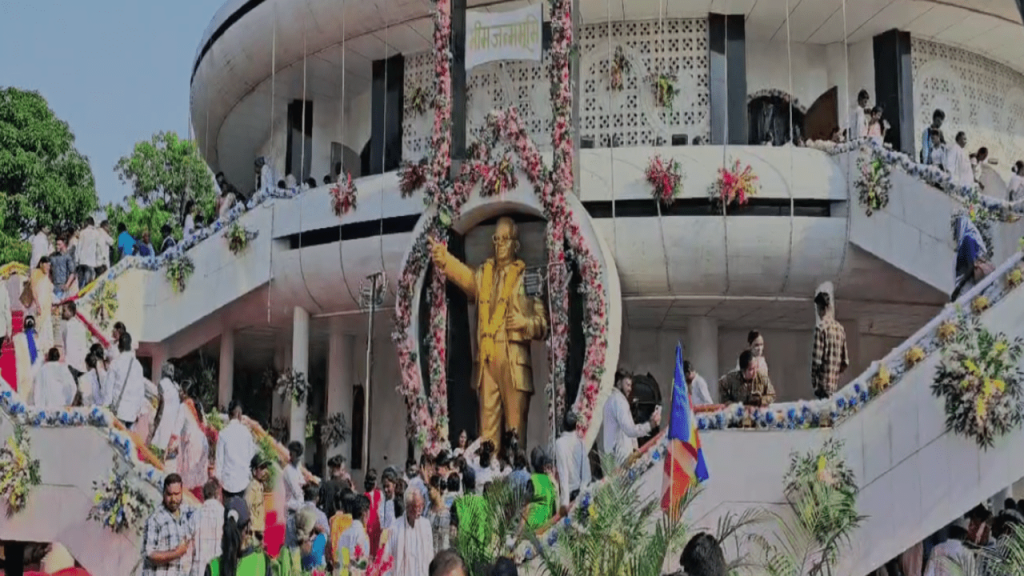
<point x="507" y="320"/>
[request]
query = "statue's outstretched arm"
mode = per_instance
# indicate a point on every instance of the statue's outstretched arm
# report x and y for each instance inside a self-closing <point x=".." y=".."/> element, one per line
<point x="460" y="275"/>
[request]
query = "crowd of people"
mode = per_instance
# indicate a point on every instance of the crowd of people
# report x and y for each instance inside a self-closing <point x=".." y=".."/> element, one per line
<point x="980" y="538"/>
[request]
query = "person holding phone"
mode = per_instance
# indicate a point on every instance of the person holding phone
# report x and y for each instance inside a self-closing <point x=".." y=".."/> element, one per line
<point x="620" y="432"/>
<point x="168" y="534"/>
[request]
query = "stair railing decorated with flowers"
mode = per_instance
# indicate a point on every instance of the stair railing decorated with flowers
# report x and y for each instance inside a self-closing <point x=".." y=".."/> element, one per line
<point x="970" y="196"/>
<point x="445" y="197"/>
<point x="884" y="373"/>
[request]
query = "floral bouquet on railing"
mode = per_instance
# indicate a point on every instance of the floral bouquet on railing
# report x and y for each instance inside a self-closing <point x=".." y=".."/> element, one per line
<point x="238" y="237"/>
<point x="665" y="90"/>
<point x="874" y="184"/>
<point x="982" y="383"/>
<point x="343" y="196"/>
<point x="666" y="178"/>
<point x="619" y="68"/>
<point x="19" y="473"/>
<point x="103" y="304"/>
<point x="118" y="505"/>
<point x="179" y="271"/>
<point x="734" y="186"/>
<point x="411" y="177"/>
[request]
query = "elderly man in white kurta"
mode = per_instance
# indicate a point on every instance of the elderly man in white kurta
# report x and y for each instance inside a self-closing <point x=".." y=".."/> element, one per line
<point x="620" y="432"/>
<point x="409" y="540"/>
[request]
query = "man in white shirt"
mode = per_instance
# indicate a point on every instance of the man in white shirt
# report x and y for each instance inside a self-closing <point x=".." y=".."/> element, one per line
<point x="410" y="541"/>
<point x="88" y="252"/>
<point x="76" y="340"/>
<point x="54" y="387"/>
<point x="103" y="243"/>
<point x="699" y="392"/>
<point x="6" y="325"/>
<point x="942" y="556"/>
<point x="40" y="245"/>
<point x="171" y="417"/>
<point x="620" y="432"/>
<point x="235" y="449"/>
<point x="958" y="162"/>
<point x="293" y="480"/>
<point x="572" y="463"/>
<point x="858" y="118"/>
<point x="125" y="383"/>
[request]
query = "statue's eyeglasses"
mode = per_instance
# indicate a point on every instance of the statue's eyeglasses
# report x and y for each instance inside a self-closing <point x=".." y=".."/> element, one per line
<point x="501" y="239"/>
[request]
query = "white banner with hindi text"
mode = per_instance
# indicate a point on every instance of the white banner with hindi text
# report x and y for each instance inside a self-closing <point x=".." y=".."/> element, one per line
<point x="514" y="35"/>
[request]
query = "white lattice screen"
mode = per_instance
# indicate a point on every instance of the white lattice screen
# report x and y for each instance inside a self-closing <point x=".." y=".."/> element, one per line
<point x="983" y="98"/>
<point x="631" y="115"/>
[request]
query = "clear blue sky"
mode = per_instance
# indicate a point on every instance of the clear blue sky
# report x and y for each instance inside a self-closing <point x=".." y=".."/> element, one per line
<point x="116" y="70"/>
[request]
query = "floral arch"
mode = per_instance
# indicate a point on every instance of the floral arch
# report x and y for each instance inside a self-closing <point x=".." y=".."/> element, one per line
<point x="501" y="152"/>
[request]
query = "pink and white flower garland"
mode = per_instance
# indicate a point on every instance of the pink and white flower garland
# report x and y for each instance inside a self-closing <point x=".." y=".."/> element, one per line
<point x="428" y="417"/>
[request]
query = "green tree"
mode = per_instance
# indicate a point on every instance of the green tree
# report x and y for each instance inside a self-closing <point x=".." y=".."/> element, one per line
<point x="170" y="169"/>
<point x="44" y="180"/>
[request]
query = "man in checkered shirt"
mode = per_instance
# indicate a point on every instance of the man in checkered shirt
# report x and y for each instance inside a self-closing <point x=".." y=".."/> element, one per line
<point x="830" y="357"/>
<point x="168" y="535"/>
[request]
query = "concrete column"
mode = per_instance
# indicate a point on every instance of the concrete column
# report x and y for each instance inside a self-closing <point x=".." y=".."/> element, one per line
<point x="226" y="371"/>
<point x="339" y="382"/>
<point x="703" y="350"/>
<point x="300" y="363"/>
<point x="157" y="360"/>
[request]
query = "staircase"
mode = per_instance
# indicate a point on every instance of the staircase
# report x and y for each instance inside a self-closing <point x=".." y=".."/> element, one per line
<point x="914" y="476"/>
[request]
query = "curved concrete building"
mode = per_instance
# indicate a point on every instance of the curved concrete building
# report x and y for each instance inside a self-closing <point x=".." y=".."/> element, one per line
<point x="313" y="84"/>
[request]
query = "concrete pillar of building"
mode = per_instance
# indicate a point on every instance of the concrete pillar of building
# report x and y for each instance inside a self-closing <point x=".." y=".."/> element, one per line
<point x="226" y="370"/>
<point x="157" y="361"/>
<point x="300" y="364"/>
<point x="339" y="383"/>
<point x="703" y="350"/>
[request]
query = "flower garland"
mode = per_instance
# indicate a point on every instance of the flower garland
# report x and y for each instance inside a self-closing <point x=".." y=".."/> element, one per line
<point x="881" y="375"/>
<point x="412" y="176"/>
<point x="118" y="505"/>
<point x="874" y="184"/>
<point x="665" y="91"/>
<point x="620" y="66"/>
<point x="666" y="178"/>
<point x="19" y="472"/>
<point x="982" y="383"/>
<point x="238" y="237"/>
<point x="418" y="101"/>
<point x="734" y="185"/>
<point x="103" y="305"/>
<point x="428" y="416"/>
<point x="498" y="179"/>
<point x="179" y="271"/>
<point x="343" y="196"/>
<point x="360" y="564"/>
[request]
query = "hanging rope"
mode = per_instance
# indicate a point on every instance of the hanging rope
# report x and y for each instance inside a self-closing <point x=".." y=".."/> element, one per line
<point x="383" y="141"/>
<point x="792" y="145"/>
<point x="302" y="168"/>
<point x="661" y="221"/>
<point x="849" y="164"/>
<point x="725" y="165"/>
<point x="611" y="138"/>
<point x="273" y="211"/>
<point x="344" y="171"/>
